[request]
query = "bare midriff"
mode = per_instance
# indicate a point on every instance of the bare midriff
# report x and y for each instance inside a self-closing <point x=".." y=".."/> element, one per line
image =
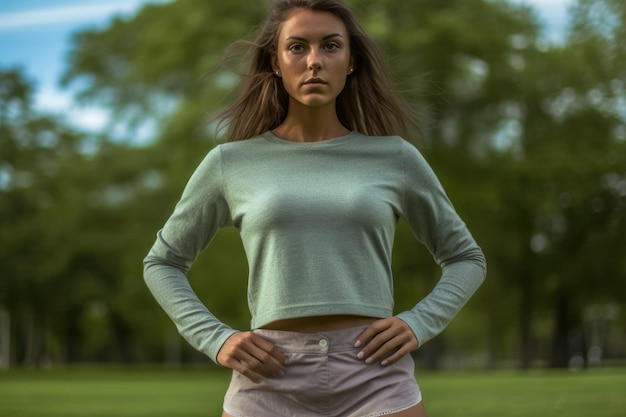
<point x="314" y="324"/>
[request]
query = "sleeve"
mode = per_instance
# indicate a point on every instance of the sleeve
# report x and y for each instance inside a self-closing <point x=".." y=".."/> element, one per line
<point x="199" y="214"/>
<point x="434" y="221"/>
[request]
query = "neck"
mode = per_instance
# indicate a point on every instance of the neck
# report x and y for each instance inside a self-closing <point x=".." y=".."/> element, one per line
<point x="310" y="124"/>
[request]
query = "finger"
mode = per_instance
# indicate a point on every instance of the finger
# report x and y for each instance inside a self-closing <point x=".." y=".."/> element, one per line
<point x="264" y="358"/>
<point x="245" y="370"/>
<point x="252" y="356"/>
<point x="374" y="337"/>
<point x="380" y="346"/>
<point x="237" y="360"/>
<point x="397" y="335"/>
<point x="270" y="349"/>
<point x="251" y="368"/>
<point x="404" y="350"/>
<point x="370" y="332"/>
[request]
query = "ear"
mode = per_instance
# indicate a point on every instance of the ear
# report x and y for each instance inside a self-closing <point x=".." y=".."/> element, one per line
<point x="275" y="66"/>
<point x="351" y="66"/>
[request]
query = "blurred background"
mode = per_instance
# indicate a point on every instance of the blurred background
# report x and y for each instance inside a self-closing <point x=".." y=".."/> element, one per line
<point x="102" y="121"/>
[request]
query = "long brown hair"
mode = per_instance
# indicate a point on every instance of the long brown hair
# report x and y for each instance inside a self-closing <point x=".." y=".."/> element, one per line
<point x="369" y="103"/>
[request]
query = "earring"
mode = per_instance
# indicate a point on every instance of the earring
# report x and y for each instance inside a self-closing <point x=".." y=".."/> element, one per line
<point x="350" y="70"/>
<point x="277" y="73"/>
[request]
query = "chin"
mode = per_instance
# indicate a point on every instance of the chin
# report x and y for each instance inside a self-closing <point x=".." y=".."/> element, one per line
<point x="316" y="102"/>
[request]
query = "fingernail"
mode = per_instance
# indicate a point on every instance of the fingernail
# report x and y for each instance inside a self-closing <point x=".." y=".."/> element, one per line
<point x="369" y="360"/>
<point x="281" y="373"/>
<point x="357" y="344"/>
<point x="384" y="363"/>
<point x="360" y="355"/>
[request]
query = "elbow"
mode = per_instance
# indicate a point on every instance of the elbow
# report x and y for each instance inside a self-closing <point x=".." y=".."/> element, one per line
<point x="472" y="259"/>
<point x="481" y="261"/>
<point x="478" y="259"/>
<point x="157" y="267"/>
<point x="148" y="266"/>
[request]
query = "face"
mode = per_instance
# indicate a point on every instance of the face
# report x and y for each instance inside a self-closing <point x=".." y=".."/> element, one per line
<point x="313" y="57"/>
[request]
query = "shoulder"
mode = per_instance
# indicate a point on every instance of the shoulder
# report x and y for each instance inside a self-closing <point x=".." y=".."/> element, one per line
<point x="394" y="141"/>
<point x="222" y="152"/>
<point x="401" y="147"/>
<point x="225" y="153"/>
<point x="239" y="144"/>
<point x="406" y="157"/>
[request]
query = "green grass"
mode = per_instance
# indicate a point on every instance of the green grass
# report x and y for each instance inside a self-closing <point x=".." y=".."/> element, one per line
<point x="511" y="394"/>
<point x="112" y="393"/>
<point x="189" y="393"/>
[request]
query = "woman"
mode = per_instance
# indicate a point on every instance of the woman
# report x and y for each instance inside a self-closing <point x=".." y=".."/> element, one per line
<point x="316" y="190"/>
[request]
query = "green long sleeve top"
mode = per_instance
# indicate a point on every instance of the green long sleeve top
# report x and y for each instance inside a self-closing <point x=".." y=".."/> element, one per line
<point x="317" y="221"/>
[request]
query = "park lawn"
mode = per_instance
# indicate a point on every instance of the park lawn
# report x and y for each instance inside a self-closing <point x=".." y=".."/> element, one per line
<point x="199" y="392"/>
<point x="112" y="393"/>
<point x="598" y="393"/>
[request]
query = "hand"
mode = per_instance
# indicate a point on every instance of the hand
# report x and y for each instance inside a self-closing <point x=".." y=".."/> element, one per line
<point x="252" y="356"/>
<point x="387" y="340"/>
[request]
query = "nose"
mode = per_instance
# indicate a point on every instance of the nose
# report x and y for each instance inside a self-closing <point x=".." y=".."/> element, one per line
<point x="315" y="62"/>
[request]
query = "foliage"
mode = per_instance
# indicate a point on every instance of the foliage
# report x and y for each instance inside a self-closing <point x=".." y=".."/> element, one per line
<point x="528" y="138"/>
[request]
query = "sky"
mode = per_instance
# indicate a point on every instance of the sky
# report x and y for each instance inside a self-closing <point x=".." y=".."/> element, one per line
<point x="35" y="35"/>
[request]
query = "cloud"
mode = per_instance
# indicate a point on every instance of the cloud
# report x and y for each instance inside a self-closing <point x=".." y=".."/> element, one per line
<point x="89" y="118"/>
<point x="63" y="14"/>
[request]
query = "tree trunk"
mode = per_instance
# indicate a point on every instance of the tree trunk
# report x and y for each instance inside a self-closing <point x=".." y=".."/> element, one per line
<point x="5" y="338"/>
<point x="492" y="345"/>
<point x="526" y="348"/>
<point x="72" y="336"/>
<point x="431" y="353"/>
<point x="33" y="338"/>
<point x="559" y="357"/>
<point x="122" y="333"/>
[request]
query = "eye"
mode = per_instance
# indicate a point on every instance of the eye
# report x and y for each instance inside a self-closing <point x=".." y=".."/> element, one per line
<point x="296" y="48"/>
<point x="332" y="46"/>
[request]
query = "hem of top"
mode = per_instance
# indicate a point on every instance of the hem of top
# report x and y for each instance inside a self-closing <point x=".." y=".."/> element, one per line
<point x="339" y="140"/>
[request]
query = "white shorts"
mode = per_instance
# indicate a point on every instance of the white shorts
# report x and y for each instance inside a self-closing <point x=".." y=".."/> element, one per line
<point x="323" y="377"/>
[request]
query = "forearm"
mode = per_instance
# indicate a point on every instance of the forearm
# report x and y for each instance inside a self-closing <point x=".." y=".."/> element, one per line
<point x="434" y="312"/>
<point x="194" y="321"/>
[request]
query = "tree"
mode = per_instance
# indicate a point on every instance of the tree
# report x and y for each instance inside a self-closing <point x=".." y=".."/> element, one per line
<point x="35" y="151"/>
<point x="526" y="136"/>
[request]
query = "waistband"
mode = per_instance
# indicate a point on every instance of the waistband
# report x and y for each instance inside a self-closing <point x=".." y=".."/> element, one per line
<point x="321" y="342"/>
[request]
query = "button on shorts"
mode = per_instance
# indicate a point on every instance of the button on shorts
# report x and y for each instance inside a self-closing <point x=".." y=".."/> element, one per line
<point x="324" y="377"/>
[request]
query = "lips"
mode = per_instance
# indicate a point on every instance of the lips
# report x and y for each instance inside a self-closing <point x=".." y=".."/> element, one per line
<point x="314" y="81"/>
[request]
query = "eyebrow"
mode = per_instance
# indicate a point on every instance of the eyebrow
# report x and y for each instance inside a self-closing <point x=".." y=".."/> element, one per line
<point x="299" y="38"/>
